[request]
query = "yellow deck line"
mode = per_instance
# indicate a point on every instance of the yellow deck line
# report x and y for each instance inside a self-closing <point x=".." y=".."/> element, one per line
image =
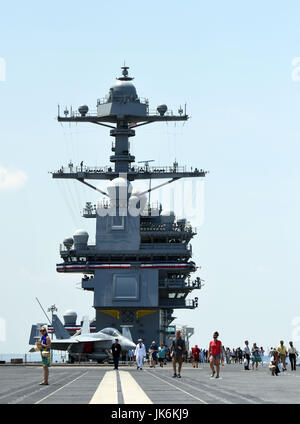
<point x="131" y="390"/>
<point x="106" y="392"/>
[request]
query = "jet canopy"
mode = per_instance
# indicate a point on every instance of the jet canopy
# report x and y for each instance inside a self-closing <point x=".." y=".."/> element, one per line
<point x="111" y="332"/>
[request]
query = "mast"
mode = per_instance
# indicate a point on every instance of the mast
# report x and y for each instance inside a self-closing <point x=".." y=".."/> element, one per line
<point x="122" y="111"/>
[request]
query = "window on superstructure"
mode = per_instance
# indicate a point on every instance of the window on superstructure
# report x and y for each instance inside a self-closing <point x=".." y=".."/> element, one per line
<point x="118" y="222"/>
<point x="125" y="287"/>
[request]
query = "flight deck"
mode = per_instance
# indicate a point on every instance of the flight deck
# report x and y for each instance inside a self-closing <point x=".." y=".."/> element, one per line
<point x="100" y="384"/>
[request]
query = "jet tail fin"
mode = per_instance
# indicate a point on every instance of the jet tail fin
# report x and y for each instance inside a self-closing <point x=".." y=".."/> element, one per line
<point x="126" y="332"/>
<point x="34" y="334"/>
<point x="59" y="330"/>
<point x="85" y="329"/>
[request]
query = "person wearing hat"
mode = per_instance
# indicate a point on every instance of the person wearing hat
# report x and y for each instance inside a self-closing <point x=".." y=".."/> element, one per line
<point x="44" y="346"/>
<point x="115" y="350"/>
<point x="140" y="353"/>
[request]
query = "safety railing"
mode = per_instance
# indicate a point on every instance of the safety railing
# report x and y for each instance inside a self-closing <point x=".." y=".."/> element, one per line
<point x="167" y="227"/>
<point x="70" y="169"/>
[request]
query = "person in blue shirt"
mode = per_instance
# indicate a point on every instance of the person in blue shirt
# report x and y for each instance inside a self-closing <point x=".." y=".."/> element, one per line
<point x="153" y="351"/>
<point x="44" y="345"/>
<point x="161" y="355"/>
<point x="130" y="355"/>
<point x="167" y="351"/>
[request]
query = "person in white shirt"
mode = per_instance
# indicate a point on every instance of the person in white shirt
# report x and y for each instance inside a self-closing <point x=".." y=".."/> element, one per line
<point x="246" y="355"/>
<point x="140" y="353"/>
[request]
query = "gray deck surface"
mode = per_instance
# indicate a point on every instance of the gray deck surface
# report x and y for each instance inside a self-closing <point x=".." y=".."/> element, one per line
<point x="77" y="385"/>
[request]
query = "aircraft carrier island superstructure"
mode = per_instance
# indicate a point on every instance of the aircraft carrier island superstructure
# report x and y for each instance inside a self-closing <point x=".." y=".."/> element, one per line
<point x="140" y="267"/>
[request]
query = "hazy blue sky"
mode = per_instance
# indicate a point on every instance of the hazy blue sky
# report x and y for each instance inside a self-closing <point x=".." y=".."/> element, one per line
<point x="232" y="63"/>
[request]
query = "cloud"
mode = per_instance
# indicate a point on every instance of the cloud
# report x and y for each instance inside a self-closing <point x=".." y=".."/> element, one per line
<point x="11" y="179"/>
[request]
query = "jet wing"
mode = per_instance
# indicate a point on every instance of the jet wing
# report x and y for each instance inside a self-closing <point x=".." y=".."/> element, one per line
<point x="87" y="339"/>
<point x="62" y="344"/>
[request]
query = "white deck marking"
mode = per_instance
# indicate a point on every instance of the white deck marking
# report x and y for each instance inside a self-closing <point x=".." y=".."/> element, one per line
<point x="208" y="393"/>
<point x="46" y="397"/>
<point x="218" y="391"/>
<point x="107" y="391"/>
<point x="131" y="390"/>
<point x="176" y="387"/>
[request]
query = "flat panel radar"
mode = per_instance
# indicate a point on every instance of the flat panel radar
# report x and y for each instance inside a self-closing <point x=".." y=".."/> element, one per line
<point x="125" y="287"/>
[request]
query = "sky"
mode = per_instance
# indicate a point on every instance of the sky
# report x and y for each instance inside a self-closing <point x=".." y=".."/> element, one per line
<point x="236" y="66"/>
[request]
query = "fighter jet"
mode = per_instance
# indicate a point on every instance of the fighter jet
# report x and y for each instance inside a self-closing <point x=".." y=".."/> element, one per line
<point x="86" y="345"/>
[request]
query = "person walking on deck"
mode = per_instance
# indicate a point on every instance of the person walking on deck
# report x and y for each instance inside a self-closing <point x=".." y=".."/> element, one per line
<point x="292" y="352"/>
<point x="177" y="351"/>
<point x="115" y="350"/>
<point x="262" y="355"/>
<point x="153" y="350"/>
<point x="282" y="350"/>
<point x="215" y="353"/>
<point x="255" y="355"/>
<point x="161" y="355"/>
<point x="140" y="353"/>
<point x="195" y="356"/>
<point x="246" y="355"/>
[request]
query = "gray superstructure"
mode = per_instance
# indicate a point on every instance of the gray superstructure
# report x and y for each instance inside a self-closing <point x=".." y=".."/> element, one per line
<point x="140" y="266"/>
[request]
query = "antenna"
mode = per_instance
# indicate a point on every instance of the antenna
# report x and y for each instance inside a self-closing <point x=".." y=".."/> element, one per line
<point x="146" y="162"/>
<point x="43" y="311"/>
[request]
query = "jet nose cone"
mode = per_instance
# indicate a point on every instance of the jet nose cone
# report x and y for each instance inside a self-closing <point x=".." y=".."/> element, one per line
<point x="131" y="345"/>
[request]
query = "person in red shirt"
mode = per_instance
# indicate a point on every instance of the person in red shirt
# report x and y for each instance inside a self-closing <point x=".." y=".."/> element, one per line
<point x="195" y="354"/>
<point x="215" y="352"/>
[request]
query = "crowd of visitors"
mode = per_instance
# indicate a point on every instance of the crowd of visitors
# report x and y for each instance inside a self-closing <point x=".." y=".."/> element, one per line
<point x="215" y="355"/>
